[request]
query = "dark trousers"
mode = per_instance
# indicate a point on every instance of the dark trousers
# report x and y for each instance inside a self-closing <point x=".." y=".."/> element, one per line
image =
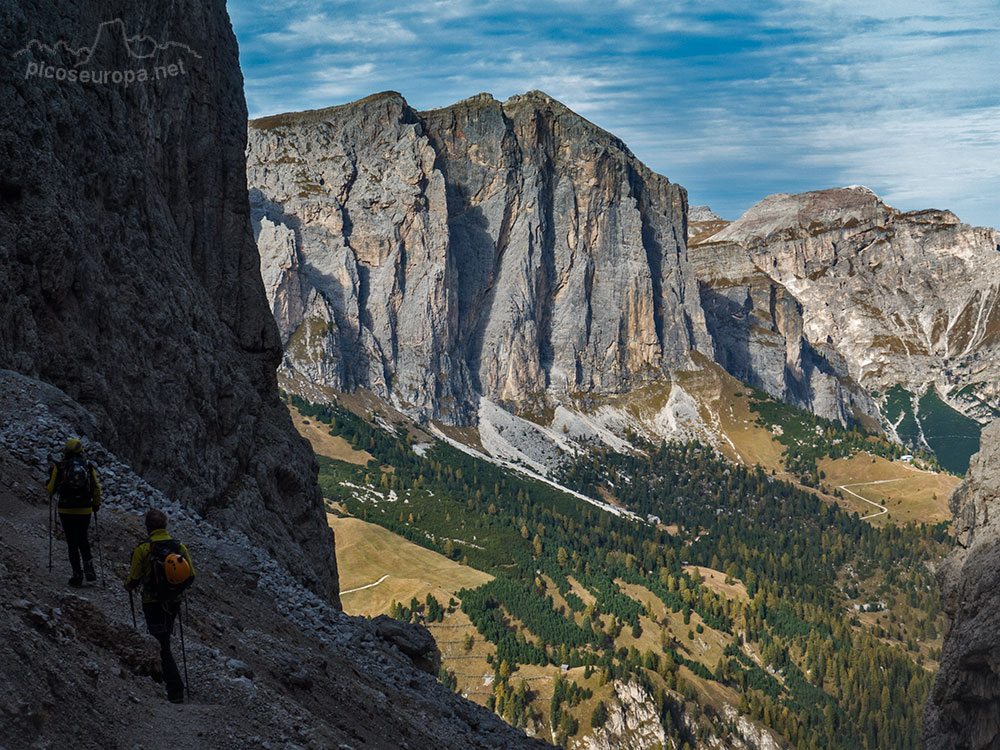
<point x="160" y="621"/>
<point x="75" y="528"/>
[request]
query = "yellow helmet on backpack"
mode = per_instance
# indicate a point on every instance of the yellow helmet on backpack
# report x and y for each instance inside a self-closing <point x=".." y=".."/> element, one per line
<point x="176" y="568"/>
<point x="73" y="446"/>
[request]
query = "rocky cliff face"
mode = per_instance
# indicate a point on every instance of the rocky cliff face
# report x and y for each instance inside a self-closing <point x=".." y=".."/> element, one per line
<point x="128" y="272"/>
<point x="904" y="298"/>
<point x="963" y="710"/>
<point x="512" y="250"/>
<point x="633" y="723"/>
<point x="757" y="326"/>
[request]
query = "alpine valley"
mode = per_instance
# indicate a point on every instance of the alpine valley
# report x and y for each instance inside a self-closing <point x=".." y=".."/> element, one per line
<point x="649" y="477"/>
<point x="583" y="464"/>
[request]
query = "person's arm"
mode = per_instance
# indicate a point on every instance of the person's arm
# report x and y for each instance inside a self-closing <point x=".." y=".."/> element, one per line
<point x="51" y="486"/>
<point x="96" y="492"/>
<point x="135" y="573"/>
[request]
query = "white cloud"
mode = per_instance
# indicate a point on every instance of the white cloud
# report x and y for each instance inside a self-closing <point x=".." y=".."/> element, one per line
<point x="321" y="29"/>
<point x="733" y="100"/>
<point x="917" y="162"/>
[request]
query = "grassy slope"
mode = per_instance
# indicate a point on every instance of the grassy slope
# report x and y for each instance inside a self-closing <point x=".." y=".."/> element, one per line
<point x="325" y="444"/>
<point x="910" y="494"/>
<point x="716" y="581"/>
<point x="366" y="552"/>
<point x="725" y="404"/>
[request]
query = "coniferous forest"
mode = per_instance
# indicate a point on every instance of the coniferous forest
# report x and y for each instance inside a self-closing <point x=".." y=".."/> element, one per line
<point x="799" y="652"/>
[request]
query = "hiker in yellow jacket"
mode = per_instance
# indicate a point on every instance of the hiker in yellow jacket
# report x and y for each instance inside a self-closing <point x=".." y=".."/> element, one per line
<point x="163" y="566"/>
<point x="74" y="479"/>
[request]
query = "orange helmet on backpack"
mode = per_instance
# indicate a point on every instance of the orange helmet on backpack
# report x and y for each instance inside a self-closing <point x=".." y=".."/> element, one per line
<point x="176" y="568"/>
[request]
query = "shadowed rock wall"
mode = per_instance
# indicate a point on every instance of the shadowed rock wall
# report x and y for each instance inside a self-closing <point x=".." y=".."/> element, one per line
<point x="129" y="277"/>
<point x="963" y="709"/>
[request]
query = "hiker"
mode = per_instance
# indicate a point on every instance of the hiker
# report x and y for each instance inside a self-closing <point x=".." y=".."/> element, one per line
<point x="74" y="479"/>
<point x="163" y="566"/>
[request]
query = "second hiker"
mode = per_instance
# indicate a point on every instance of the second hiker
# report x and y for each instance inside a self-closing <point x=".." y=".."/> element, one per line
<point x="163" y="566"/>
<point x="74" y="480"/>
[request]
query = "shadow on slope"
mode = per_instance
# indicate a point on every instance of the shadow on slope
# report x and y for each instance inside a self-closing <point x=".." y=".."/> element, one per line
<point x="270" y="663"/>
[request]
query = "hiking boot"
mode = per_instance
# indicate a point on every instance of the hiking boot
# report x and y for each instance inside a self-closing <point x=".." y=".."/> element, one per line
<point x="88" y="570"/>
<point x="76" y="581"/>
<point x="176" y="699"/>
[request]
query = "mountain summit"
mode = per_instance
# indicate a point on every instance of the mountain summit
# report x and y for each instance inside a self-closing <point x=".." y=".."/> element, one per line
<point x="515" y="252"/>
<point x="510" y="250"/>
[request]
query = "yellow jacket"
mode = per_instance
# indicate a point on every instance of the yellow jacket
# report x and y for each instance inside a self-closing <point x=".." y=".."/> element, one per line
<point x="53" y="485"/>
<point x="142" y="567"/>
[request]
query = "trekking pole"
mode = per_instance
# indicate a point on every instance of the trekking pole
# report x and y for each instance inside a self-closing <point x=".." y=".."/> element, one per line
<point x="100" y="552"/>
<point x="51" y="519"/>
<point x="50" y="533"/>
<point x="180" y="617"/>
<point x="131" y="602"/>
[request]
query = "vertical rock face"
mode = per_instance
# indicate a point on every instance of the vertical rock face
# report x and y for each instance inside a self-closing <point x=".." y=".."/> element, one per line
<point x="351" y="218"/>
<point x="905" y="298"/>
<point x="514" y="250"/>
<point x="756" y="326"/>
<point x="963" y="710"/>
<point x="511" y="249"/>
<point x="128" y="272"/>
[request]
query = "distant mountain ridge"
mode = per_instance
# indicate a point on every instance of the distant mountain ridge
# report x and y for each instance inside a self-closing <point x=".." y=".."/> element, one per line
<point x="504" y="250"/>
<point x="909" y="302"/>
<point x="900" y="295"/>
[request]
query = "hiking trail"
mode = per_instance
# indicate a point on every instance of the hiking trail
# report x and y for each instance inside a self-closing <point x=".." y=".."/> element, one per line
<point x="882" y="509"/>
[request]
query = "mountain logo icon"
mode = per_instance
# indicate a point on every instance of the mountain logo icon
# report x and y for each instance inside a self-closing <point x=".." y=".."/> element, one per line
<point x="112" y="57"/>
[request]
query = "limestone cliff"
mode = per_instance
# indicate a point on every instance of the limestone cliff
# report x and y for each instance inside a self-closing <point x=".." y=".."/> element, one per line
<point x="633" y="723"/>
<point x="128" y="272"/>
<point x="963" y="709"/>
<point x="757" y="325"/>
<point x="508" y="249"/>
<point x="904" y="298"/>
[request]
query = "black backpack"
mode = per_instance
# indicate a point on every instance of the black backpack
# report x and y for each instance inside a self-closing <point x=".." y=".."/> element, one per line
<point x="75" y="486"/>
<point x="168" y="576"/>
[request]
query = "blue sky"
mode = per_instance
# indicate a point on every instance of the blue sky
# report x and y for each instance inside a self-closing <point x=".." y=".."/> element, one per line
<point x="733" y="100"/>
